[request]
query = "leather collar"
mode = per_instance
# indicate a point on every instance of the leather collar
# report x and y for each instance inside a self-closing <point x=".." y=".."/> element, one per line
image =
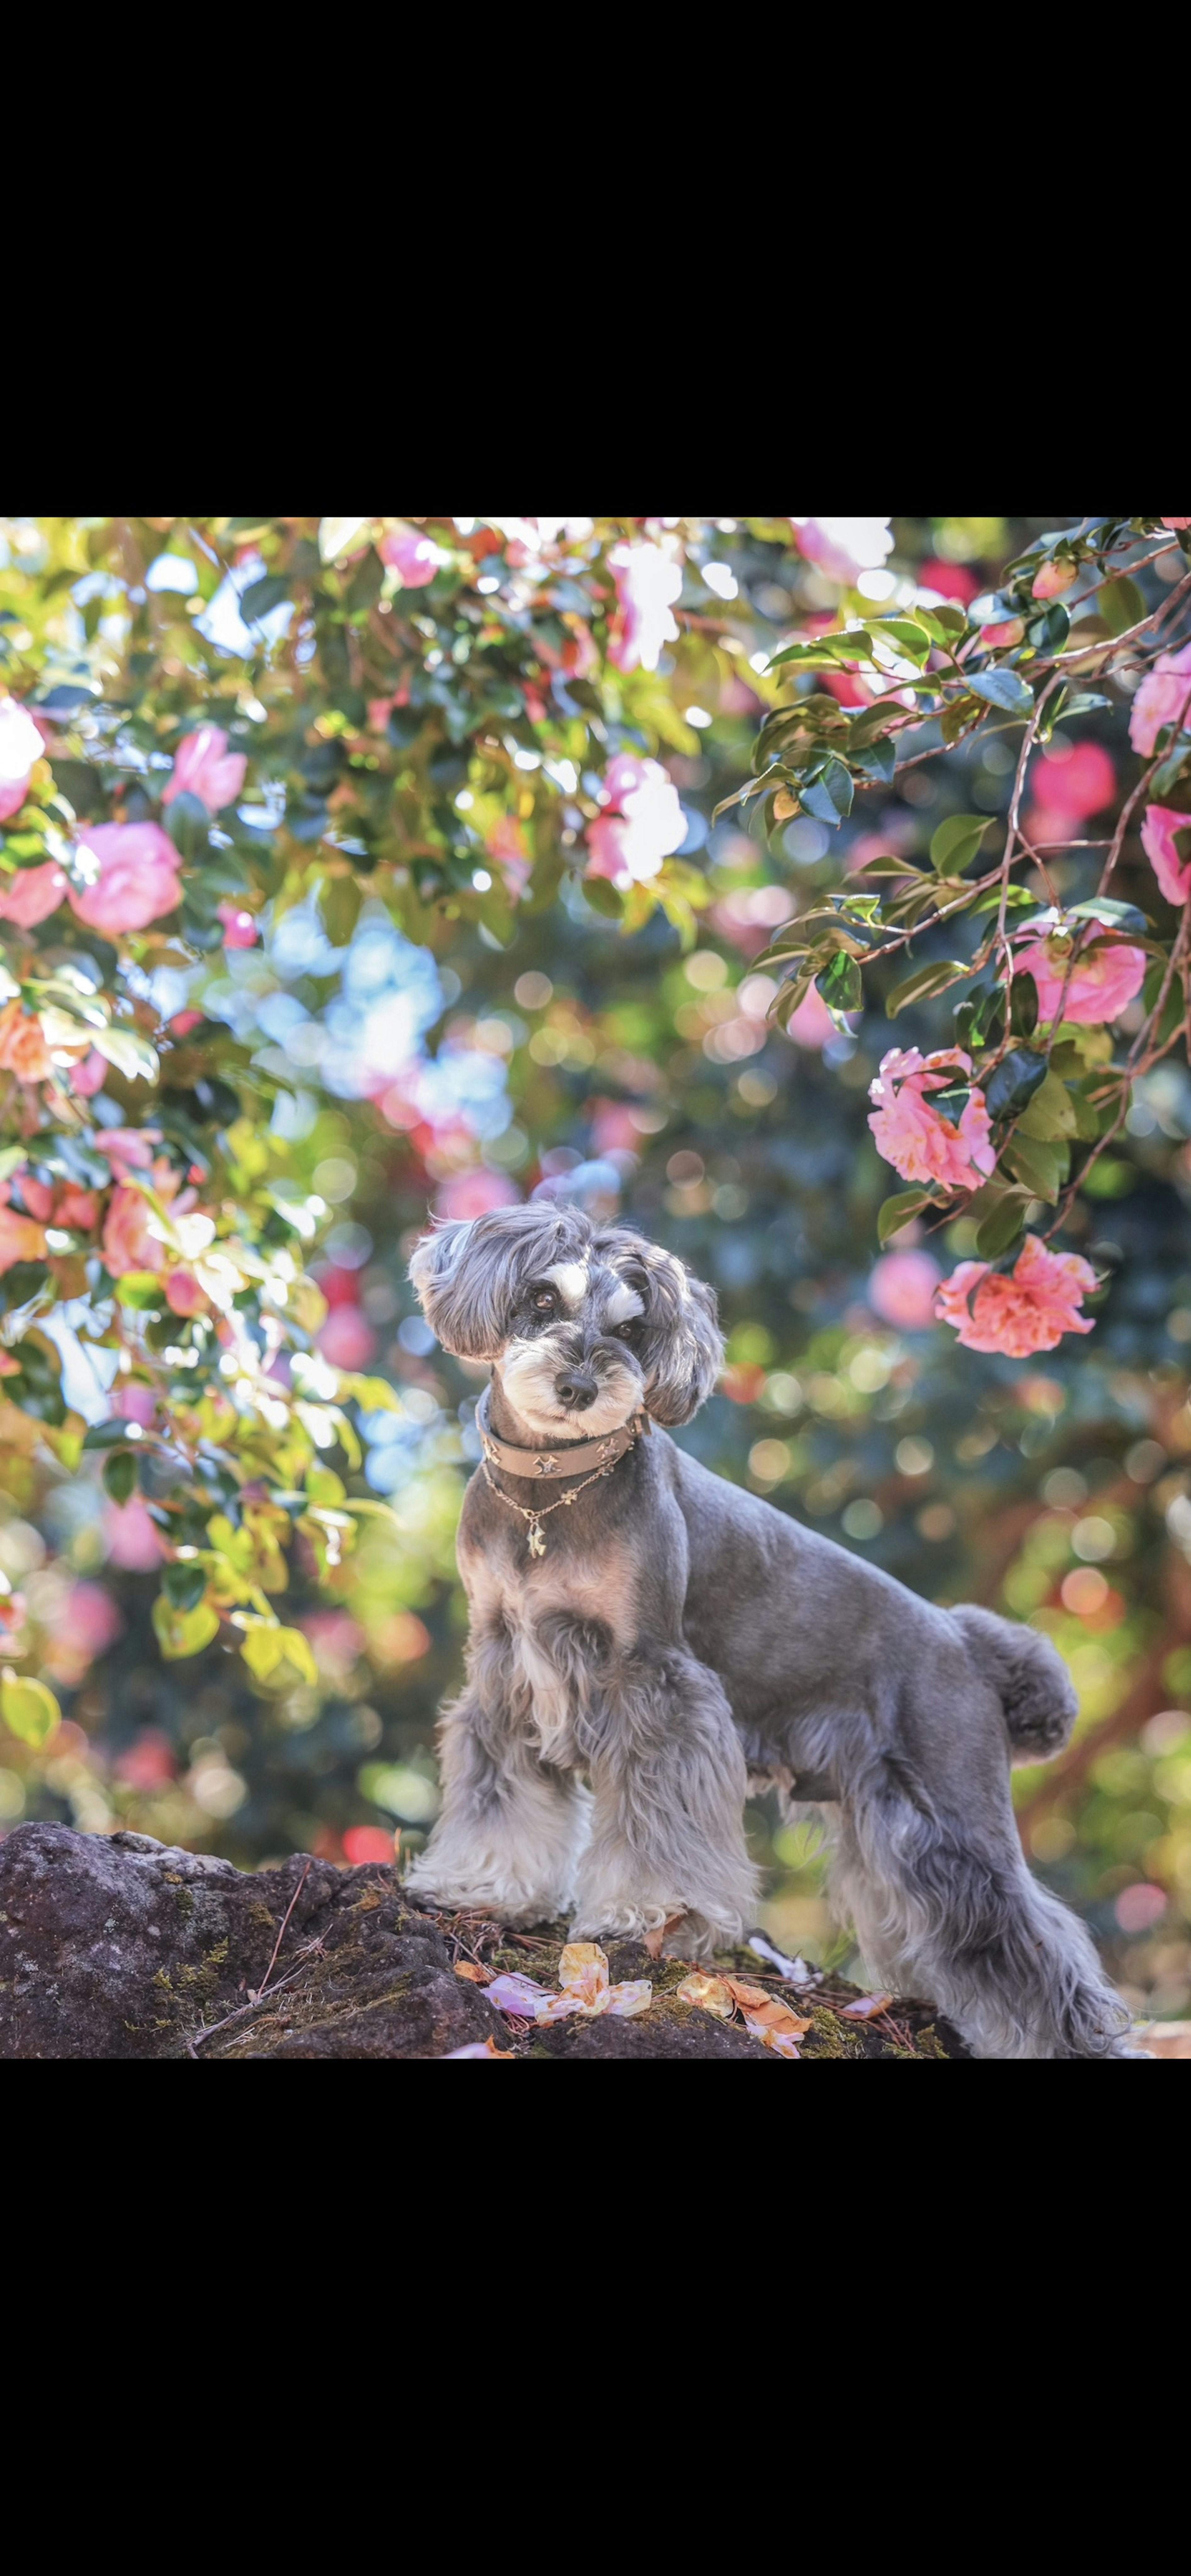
<point x="575" y="1458"/>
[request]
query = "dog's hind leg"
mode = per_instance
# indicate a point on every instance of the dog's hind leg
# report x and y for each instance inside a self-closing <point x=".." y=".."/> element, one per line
<point x="668" y="1773"/>
<point x="951" y="1912"/>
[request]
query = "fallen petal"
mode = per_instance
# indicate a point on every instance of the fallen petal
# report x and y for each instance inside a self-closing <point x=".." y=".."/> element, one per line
<point x="782" y="2042"/>
<point x="481" y="2048"/>
<point x="476" y="1976"/>
<point x="633" y="1997"/>
<point x="583" y="1968"/>
<point x="516" y="1994"/>
<point x="750" y="1998"/>
<point x="709" y="1993"/>
<point x="771" y="2020"/>
<point x="865" y="2008"/>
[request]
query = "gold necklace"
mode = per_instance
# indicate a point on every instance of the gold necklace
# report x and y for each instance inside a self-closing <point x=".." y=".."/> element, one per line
<point x="537" y="1535"/>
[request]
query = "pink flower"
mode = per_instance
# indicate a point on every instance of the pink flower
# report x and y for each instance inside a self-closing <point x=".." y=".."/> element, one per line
<point x="843" y="547"/>
<point x="1053" y="579"/>
<point x="347" y="1338"/>
<point x="148" y="1763"/>
<point x="505" y="846"/>
<point x="127" y="1242"/>
<point x="132" y="870"/>
<point x="951" y="580"/>
<point x="902" y="1288"/>
<point x="371" y="1845"/>
<point x="90" y="1619"/>
<point x="413" y="557"/>
<point x="811" y="1025"/>
<point x="1101" y="987"/>
<point x="630" y="845"/>
<point x="131" y="1148"/>
<point x="20" y="746"/>
<point x="1176" y="523"/>
<point x="133" y="1401"/>
<point x="132" y="1537"/>
<point x="20" y="1239"/>
<point x="1161" y="700"/>
<point x="183" y="1294"/>
<point x="1027" y="1312"/>
<point x="920" y="1143"/>
<point x="1158" y="841"/>
<point x="1079" y="784"/>
<point x="474" y="1193"/>
<point x="240" y="929"/>
<point x="33" y="893"/>
<point x="89" y="1076"/>
<point x="646" y="584"/>
<point x="1011" y="630"/>
<point x="204" y="767"/>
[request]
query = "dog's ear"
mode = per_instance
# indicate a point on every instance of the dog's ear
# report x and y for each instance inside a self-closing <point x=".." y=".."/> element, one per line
<point x="682" y="1351"/>
<point x="438" y="1269"/>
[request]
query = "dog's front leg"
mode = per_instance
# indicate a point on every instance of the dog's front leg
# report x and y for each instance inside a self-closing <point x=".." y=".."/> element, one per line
<point x="512" y="1827"/>
<point x="668" y="1774"/>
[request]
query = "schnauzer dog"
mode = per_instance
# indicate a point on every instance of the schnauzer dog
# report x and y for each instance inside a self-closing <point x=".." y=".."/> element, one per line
<point x="649" y="1643"/>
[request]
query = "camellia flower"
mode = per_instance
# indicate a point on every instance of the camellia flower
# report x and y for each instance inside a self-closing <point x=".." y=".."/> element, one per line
<point x="843" y="547"/>
<point x="204" y="767"/>
<point x="20" y="745"/>
<point x="127" y="1242"/>
<point x="630" y="845"/>
<point x="917" y="1139"/>
<point x="1162" y="699"/>
<point x="1158" y="841"/>
<point x="240" y="929"/>
<point x="131" y="873"/>
<point x="1176" y="523"/>
<point x="1081" y="783"/>
<point x="505" y="846"/>
<point x="1053" y="579"/>
<point x="902" y="1289"/>
<point x="32" y="894"/>
<point x="412" y="556"/>
<point x="647" y="582"/>
<point x="21" y="1238"/>
<point x="89" y="1076"/>
<point x="1102" y="984"/>
<point x="1026" y="1312"/>
<point x="23" y="1049"/>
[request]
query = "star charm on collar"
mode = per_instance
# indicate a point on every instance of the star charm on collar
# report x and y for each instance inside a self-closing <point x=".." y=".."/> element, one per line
<point x="544" y="1465"/>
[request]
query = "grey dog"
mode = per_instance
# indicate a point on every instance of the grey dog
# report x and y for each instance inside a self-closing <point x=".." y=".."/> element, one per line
<point x="644" y="1654"/>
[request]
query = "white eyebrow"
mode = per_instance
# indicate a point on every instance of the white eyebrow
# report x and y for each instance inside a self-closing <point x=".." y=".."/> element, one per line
<point x="570" y="1279"/>
<point x="622" y="1303"/>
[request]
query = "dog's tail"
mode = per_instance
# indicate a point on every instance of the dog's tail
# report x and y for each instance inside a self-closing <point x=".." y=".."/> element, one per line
<point x="1029" y="1677"/>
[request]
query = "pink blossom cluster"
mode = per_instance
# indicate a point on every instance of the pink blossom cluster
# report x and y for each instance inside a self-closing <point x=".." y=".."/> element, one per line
<point x="902" y="1289"/>
<point x="20" y="746"/>
<point x="1026" y="1311"/>
<point x="647" y="584"/>
<point x="1158" y="841"/>
<point x="1162" y="699"/>
<point x="646" y="823"/>
<point x="127" y="874"/>
<point x="414" y="557"/>
<point x="1102" y="985"/>
<point x="916" y="1138"/>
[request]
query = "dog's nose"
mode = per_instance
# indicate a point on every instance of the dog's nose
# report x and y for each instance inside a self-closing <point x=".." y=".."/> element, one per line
<point x="577" y="1390"/>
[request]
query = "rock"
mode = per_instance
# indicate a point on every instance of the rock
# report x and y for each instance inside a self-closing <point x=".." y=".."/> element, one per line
<point x="118" y="1946"/>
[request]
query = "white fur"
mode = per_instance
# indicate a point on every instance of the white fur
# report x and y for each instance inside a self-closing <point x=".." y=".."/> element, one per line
<point x="623" y="1303"/>
<point x="527" y="1372"/>
<point x="570" y="1279"/>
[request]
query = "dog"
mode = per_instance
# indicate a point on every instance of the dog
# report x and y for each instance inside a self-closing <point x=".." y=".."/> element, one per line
<point x="649" y="1644"/>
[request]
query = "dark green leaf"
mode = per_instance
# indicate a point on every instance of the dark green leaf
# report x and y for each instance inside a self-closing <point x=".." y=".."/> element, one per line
<point x="263" y="595"/>
<point x="905" y="636"/>
<point x="877" y="759"/>
<point x="1043" y="1168"/>
<point x="188" y="823"/>
<point x="840" y="984"/>
<point x="184" y="1586"/>
<point x="829" y="796"/>
<point x="1120" y="603"/>
<point x="956" y="842"/>
<point x="105" y="1435"/>
<point x="1050" y="1113"/>
<point x="1105" y="908"/>
<point x="1003" y="1223"/>
<point x="1084" y="703"/>
<point x="957" y="713"/>
<point x="1013" y="1082"/>
<point x="1002" y="689"/>
<point x="65" y="701"/>
<point x="923" y="984"/>
<point x="119" y="1474"/>
<point x="897" y="1211"/>
<point x="603" y="897"/>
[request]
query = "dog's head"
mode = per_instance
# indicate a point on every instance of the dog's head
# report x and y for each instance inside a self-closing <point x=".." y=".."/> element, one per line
<point x="583" y="1324"/>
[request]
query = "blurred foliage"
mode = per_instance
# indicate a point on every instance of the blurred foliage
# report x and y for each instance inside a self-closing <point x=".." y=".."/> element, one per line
<point x="402" y="1036"/>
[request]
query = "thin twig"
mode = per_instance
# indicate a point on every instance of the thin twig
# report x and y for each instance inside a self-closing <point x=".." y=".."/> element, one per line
<point x="281" y="1935"/>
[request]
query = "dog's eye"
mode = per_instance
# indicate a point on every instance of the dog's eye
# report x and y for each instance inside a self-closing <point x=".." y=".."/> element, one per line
<point x="543" y="1299"/>
<point x="625" y="1332"/>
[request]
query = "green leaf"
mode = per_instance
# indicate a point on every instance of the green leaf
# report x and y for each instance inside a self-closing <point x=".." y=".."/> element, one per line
<point x="105" y="1435"/>
<point x="1049" y="1113"/>
<point x="1120" y="603"/>
<point x="183" y="1585"/>
<point x="1002" y="688"/>
<point x="1013" y="1083"/>
<point x="140" y="1289"/>
<point x="1043" y="1168"/>
<point x="1084" y="702"/>
<point x="840" y="985"/>
<point x="956" y="842"/>
<point x="603" y="897"/>
<point x="188" y="823"/>
<point x="877" y="760"/>
<point x="119" y="1475"/>
<point x="1105" y="908"/>
<point x="131" y="1054"/>
<point x="262" y="595"/>
<point x="885" y="866"/>
<point x="869" y="724"/>
<point x="897" y="1211"/>
<point x="957" y="714"/>
<point x="1003" y="1223"/>
<point x="924" y="983"/>
<point x="1086" y="1116"/>
<point x="298" y="1651"/>
<point x="829" y="796"/>
<point x="905" y="636"/>
<point x="183" y="1632"/>
<point x="30" y="1712"/>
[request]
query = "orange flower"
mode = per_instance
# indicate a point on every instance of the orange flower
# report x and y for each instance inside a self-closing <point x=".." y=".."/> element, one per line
<point x="23" y="1049"/>
<point x="21" y="1239"/>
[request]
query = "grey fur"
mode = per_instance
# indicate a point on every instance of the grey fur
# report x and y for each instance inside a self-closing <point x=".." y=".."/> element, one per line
<point x="682" y="1639"/>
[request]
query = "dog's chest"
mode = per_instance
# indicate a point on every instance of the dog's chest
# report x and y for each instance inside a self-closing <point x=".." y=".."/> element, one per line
<point x="559" y="1620"/>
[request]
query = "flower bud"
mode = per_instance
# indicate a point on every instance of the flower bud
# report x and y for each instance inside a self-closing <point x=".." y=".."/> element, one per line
<point x="1054" y="579"/>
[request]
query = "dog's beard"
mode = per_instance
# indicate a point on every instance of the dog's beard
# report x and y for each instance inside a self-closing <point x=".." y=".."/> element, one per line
<point x="528" y="1371"/>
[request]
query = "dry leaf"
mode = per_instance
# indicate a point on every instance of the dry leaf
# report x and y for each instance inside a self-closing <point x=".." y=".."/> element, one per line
<point x="748" y="1997"/>
<point x="660" y="1933"/>
<point x="865" y="2008"/>
<point x="482" y="2048"/>
<point x="709" y="1993"/>
<point x="475" y="1976"/>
